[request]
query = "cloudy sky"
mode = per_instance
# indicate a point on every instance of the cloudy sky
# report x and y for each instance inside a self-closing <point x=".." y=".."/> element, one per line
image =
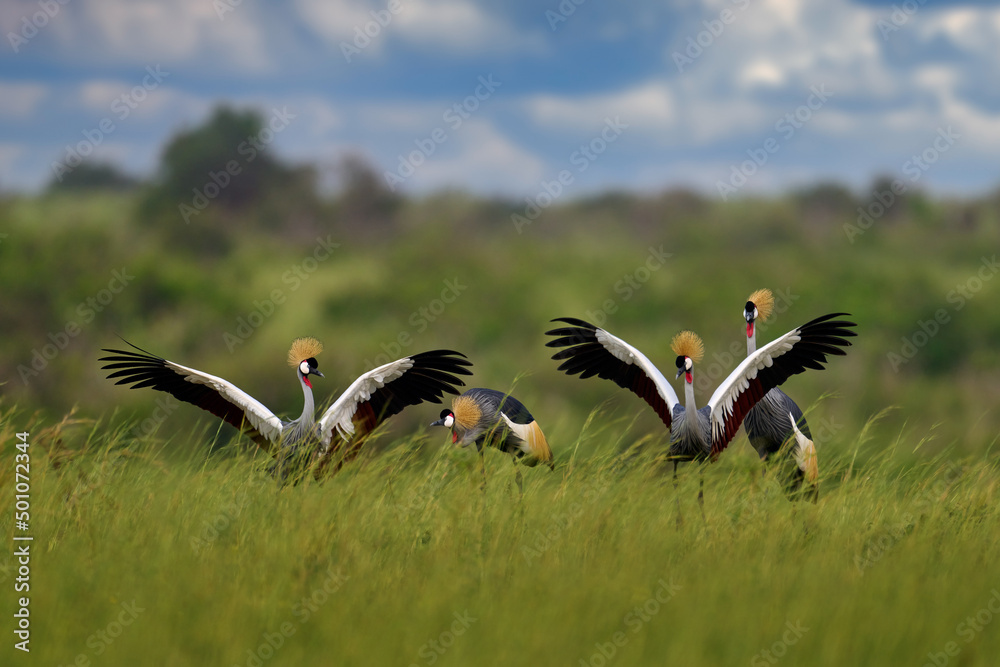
<point x="499" y="98"/>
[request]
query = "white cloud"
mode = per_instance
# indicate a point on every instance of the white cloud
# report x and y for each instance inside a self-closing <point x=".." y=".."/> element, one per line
<point x="482" y="159"/>
<point x="337" y="19"/>
<point x="459" y="26"/>
<point x="148" y="32"/>
<point x="649" y="105"/>
<point x="764" y="72"/>
<point x="21" y="100"/>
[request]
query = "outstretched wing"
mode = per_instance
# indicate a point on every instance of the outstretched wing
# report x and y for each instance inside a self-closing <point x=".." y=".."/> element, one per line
<point x="593" y="351"/>
<point x="220" y="397"/>
<point x="799" y="349"/>
<point x="387" y="390"/>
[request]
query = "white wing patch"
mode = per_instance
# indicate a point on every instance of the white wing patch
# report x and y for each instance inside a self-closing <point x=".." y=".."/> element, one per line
<point x="805" y="453"/>
<point x="630" y="355"/>
<point x="533" y="443"/>
<point x="257" y="414"/>
<point x="521" y="431"/>
<point x="340" y="415"/>
<point x="725" y="396"/>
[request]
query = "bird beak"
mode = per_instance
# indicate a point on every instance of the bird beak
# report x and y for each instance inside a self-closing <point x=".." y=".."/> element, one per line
<point x="679" y="373"/>
<point x="439" y="422"/>
<point x="316" y="373"/>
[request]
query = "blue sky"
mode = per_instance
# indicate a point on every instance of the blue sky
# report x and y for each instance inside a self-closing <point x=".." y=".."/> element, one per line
<point x="785" y="92"/>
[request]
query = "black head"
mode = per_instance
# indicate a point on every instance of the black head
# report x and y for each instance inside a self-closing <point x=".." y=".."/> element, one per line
<point x="309" y="367"/>
<point x="447" y="419"/>
<point x="750" y="312"/>
<point x="684" y="365"/>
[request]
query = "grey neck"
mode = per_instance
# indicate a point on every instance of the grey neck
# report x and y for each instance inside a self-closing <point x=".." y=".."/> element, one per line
<point x="752" y="341"/>
<point x="307" y="419"/>
<point x="689" y="406"/>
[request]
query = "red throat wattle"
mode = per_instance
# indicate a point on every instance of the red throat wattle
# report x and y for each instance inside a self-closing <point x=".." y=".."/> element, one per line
<point x="454" y="437"/>
<point x="687" y="376"/>
<point x="305" y="378"/>
<point x="749" y="329"/>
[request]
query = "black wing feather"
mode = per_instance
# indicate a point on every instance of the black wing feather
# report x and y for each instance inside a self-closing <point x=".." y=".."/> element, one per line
<point x="585" y="356"/>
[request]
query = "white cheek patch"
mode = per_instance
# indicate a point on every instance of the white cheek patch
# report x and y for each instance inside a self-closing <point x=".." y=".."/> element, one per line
<point x="304" y="367"/>
<point x="449" y="421"/>
<point x="687" y="363"/>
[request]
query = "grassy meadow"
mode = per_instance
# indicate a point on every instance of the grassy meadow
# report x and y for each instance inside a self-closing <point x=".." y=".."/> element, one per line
<point x="159" y="538"/>
<point x="401" y="559"/>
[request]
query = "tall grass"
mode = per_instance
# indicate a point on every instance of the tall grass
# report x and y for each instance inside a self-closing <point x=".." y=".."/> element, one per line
<point x="401" y="559"/>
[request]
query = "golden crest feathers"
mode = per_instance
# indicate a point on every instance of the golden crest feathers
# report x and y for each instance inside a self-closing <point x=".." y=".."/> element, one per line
<point x="687" y="344"/>
<point x="467" y="412"/>
<point x="302" y="349"/>
<point x="764" y="301"/>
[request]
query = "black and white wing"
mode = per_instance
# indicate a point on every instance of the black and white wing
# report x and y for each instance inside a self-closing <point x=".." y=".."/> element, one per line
<point x="791" y="354"/>
<point x="220" y="397"/>
<point x="387" y="390"/>
<point x="590" y="350"/>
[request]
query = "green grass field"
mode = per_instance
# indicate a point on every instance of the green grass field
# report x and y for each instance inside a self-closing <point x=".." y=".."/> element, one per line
<point x="159" y="538"/>
<point x="145" y="556"/>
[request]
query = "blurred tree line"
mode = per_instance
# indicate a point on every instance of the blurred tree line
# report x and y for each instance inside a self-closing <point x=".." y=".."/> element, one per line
<point x="223" y="179"/>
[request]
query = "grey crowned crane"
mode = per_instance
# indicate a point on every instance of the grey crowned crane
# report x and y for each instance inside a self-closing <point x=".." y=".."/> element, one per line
<point x="698" y="434"/>
<point x="491" y="418"/>
<point x="371" y="399"/>
<point x="776" y="420"/>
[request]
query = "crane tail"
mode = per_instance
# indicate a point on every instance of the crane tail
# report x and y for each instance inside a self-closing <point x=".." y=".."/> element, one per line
<point x="805" y="458"/>
<point x="538" y="446"/>
<point x="534" y="445"/>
